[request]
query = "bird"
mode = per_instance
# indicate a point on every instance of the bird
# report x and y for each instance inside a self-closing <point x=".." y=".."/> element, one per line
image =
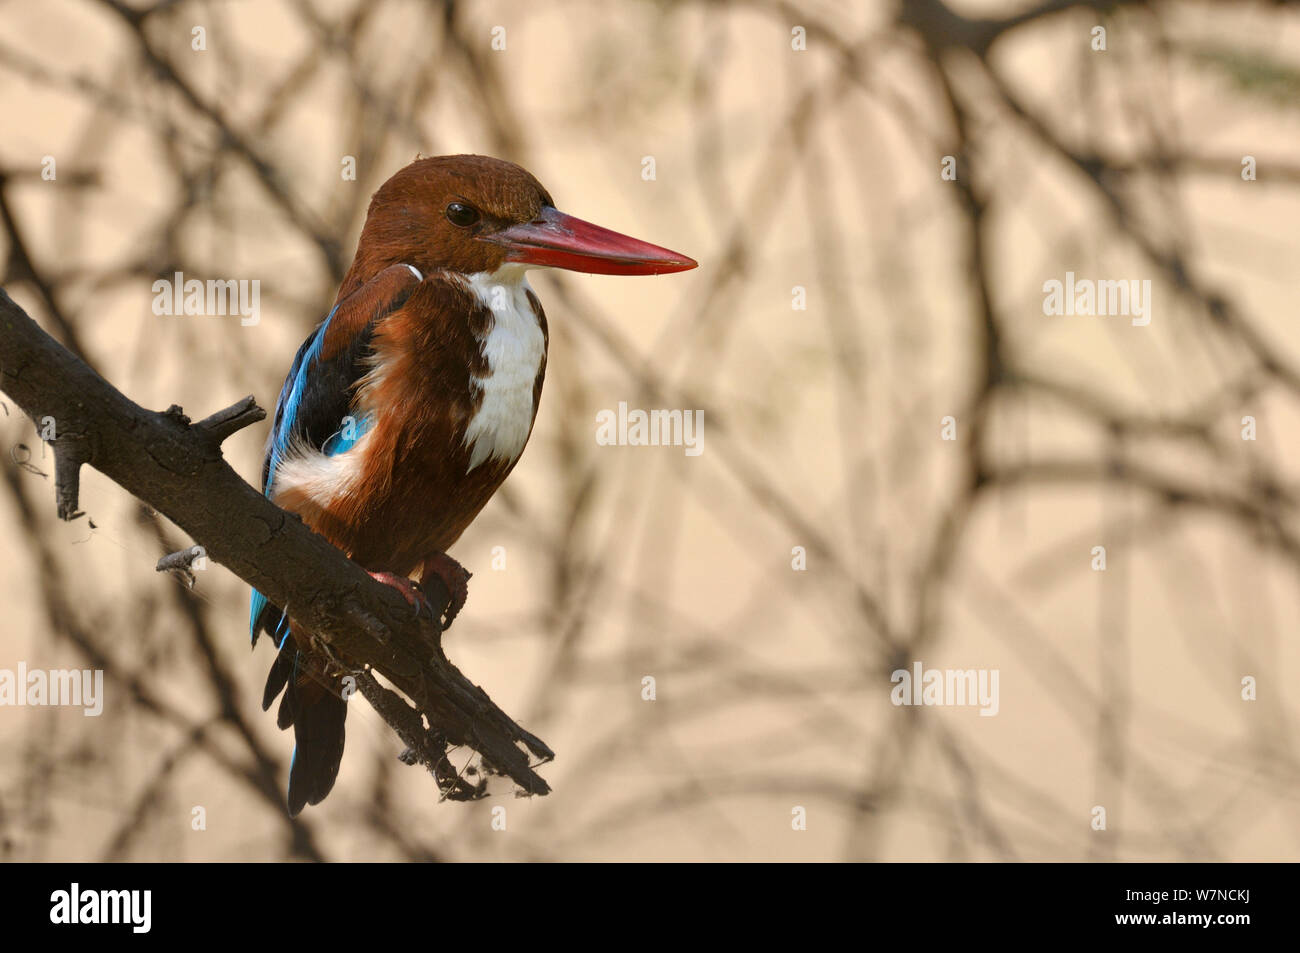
<point x="408" y="406"/>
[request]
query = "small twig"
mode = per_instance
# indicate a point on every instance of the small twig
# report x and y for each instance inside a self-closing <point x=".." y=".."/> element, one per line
<point x="70" y="452"/>
<point x="181" y="562"/>
<point x="234" y="418"/>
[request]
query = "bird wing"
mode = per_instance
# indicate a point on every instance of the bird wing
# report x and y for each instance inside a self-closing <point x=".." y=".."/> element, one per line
<point x="317" y="394"/>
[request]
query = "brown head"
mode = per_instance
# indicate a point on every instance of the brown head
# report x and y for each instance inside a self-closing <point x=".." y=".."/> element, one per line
<point x="473" y="214"/>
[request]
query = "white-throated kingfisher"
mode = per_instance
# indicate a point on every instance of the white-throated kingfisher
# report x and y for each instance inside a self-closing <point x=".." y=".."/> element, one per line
<point x="412" y="401"/>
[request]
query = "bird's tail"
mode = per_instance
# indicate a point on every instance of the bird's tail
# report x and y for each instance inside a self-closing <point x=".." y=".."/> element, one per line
<point x="313" y="704"/>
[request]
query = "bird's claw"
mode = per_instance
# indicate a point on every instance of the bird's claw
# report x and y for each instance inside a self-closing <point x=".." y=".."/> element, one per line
<point x="409" y="590"/>
<point x="455" y="577"/>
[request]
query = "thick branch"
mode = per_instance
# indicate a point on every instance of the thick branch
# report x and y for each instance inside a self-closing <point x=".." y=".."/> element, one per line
<point x="176" y="467"/>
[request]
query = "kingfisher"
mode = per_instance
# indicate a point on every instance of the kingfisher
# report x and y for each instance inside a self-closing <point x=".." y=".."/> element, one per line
<point x="409" y="405"/>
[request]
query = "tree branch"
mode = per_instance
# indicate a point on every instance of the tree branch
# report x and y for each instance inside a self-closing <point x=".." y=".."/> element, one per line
<point x="176" y="467"/>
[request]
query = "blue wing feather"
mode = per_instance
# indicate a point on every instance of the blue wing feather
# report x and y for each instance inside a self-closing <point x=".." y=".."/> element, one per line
<point x="290" y="400"/>
<point x="317" y="397"/>
<point x="286" y="411"/>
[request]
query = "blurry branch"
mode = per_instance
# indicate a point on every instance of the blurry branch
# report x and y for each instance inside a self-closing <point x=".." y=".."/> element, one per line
<point x="942" y="27"/>
<point x="1220" y="310"/>
<point x="1255" y="506"/>
<point x="176" y="467"/>
<point x="20" y="267"/>
<point x="265" y="172"/>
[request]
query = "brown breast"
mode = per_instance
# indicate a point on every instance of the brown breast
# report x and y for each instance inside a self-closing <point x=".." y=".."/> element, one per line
<point x="435" y="366"/>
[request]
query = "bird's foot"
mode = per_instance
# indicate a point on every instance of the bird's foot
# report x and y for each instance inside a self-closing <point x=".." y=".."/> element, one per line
<point x="419" y="602"/>
<point x="454" y="576"/>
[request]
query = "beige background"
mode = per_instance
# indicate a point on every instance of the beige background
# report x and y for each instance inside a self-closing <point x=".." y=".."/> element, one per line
<point x="775" y="168"/>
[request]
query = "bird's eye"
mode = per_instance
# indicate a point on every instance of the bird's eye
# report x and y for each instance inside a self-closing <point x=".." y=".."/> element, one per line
<point x="461" y="215"/>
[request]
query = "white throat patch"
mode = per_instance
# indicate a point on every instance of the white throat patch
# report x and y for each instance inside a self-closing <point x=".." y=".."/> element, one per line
<point x="514" y="349"/>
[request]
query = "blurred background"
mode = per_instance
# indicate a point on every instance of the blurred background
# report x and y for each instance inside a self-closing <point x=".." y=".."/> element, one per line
<point x="850" y="298"/>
